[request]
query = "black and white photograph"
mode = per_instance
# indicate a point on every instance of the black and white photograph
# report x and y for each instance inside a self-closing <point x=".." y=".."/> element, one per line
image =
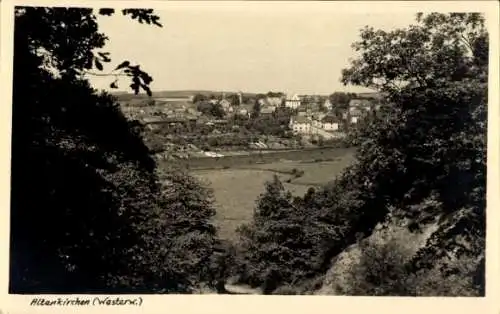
<point x="231" y="148"/>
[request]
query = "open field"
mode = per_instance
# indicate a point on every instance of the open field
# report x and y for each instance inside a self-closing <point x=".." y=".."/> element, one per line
<point x="304" y="155"/>
<point x="236" y="189"/>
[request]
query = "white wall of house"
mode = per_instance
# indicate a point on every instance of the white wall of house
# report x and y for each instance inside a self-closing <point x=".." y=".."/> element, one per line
<point x="293" y="102"/>
<point x="354" y="119"/>
<point x="274" y="101"/>
<point x="330" y="126"/>
<point x="301" y="127"/>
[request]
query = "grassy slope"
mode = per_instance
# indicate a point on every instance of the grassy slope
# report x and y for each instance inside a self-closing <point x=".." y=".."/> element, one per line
<point x="236" y="190"/>
<point x="335" y="279"/>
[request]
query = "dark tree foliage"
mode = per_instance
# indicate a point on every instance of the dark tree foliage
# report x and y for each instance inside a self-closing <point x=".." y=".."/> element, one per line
<point x="427" y="157"/>
<point x="279" y="247"/>
<point x="423" y="160"/>
<point x="210" y="109"/>
<point x="199" y="98"/>
<point x="256" y="109"/>
<point x="340" y="99"/>
<point x="86" y="206"/>
<point x="234" y="99"/>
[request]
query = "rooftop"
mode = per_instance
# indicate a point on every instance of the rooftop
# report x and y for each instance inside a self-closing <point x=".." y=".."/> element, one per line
<point x="301" y="119"/>
<point x="330" y="119"/>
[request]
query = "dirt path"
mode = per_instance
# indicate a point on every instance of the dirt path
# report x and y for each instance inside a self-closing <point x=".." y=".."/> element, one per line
<point x="241" y="289"/>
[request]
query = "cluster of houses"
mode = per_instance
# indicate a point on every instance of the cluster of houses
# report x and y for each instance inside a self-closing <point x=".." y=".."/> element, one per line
<point x="309" y="116"/>
<point x="311" y="121"/>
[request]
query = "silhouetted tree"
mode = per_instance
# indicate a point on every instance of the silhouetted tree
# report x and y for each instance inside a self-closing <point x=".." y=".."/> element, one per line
<point x="86" y="204"/>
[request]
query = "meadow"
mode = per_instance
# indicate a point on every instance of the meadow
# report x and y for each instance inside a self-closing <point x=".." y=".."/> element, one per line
<point x="237" y="188"/>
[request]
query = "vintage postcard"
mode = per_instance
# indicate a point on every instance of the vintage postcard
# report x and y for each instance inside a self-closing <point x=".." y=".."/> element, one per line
<point x="307" y="156"/>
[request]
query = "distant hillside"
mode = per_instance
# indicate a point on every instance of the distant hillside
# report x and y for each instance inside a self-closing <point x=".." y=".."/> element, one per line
<point x="175" y="94"/>
<point x="122" y="96"/>
<point x="375" y="95"/>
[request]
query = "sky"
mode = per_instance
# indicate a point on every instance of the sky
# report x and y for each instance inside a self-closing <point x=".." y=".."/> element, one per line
<point x="245" y="47"/>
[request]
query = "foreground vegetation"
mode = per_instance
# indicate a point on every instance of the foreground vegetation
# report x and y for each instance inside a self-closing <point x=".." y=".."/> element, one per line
<point x="97" y="219"/>
<point x="102" y="217"/>
<point x="417" y="167"/>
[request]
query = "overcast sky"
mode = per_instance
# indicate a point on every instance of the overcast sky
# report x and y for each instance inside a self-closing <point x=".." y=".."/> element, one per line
<point x="247" y="47"/>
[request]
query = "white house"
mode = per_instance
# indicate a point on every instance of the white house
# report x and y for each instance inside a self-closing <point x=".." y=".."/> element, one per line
<point x="330" y="123"/>
<point x="301" y="125"/>
<point x="355" y="114"/>
<point x="293" y="102"/>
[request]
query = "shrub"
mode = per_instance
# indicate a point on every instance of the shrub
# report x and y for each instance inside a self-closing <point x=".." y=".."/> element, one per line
<point x="383" y="270"/>
<point x="380" y="270"/>
<point x="276" y="247"/>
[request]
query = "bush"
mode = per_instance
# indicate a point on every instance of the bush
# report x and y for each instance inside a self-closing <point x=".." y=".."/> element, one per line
<point x="380" y="271"/>
<point x="383" y="269"/>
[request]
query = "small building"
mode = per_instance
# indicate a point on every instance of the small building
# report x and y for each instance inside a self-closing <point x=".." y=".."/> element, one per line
<point x="316" y="119"/>
<point x="361" y="104"/>
<point x="313" y="107"/>
<point x="355" y="114"/>
<point x="293" y="102"/>
<point x="245" y="109"/>
<point x="301" y="125"/>
<point x="330" y="123"/>
<point x="274" y="101"/>
<point x="268" y="110"/>
<point x="262" y="101"/>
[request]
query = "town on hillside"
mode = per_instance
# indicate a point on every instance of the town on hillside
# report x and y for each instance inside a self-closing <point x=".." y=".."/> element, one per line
<point x="216" y="124"/>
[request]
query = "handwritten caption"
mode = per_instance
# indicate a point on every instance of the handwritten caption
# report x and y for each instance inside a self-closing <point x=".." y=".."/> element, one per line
<point x="96" y="301"/>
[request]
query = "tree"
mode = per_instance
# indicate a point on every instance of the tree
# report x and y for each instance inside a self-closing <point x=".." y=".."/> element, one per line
<point x="340" y="99"/>
<point x="234" y="99"/>
<point x="435" y="75"/>
<point x="277" y="246"/>
<point x="188" y="215"/>
<point x="217" y="111"/>
<point x="85" y="214"/>
<point x="256" y="109"/>
<point x="199" y="98"/>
